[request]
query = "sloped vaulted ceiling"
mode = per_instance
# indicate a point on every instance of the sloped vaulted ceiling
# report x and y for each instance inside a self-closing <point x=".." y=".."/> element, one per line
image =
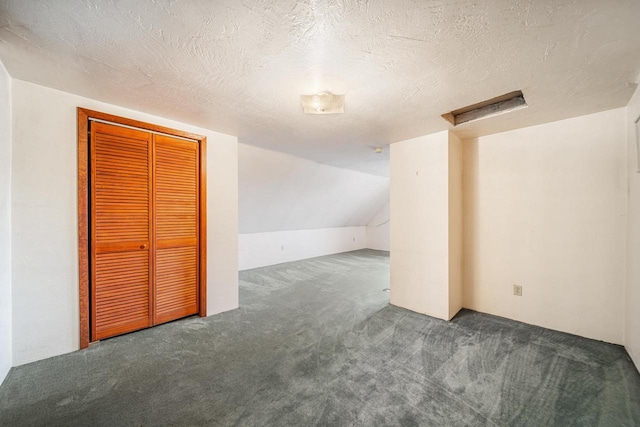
<point x="239" y="66"/>
<point x="279" y="192"/>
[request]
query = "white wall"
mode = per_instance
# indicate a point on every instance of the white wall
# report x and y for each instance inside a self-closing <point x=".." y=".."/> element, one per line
<point x="378" y="230"/>
<point x="310" y="208"/>
<point x="44" y="212"/>
<point x="420" y="208"/>
<point x="632" y="295"/>
<point x="545" y="208"/>
<point x="262" y="249"/>
<point x="5" y="223"/>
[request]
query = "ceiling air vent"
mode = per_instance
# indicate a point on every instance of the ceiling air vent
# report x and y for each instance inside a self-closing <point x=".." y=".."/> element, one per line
<point x="489" y="108"/>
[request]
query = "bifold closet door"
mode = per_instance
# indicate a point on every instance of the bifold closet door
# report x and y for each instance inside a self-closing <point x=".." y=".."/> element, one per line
<point x="121" y="221"/>
<point x="176" y="189"/>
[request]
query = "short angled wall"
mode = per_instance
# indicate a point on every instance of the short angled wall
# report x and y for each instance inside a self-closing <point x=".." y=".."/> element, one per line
<point x="378" y="230"/>
<point x="275" y="247"/>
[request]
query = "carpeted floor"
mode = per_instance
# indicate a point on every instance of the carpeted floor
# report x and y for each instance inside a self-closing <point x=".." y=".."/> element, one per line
<point x="315" y="343"/>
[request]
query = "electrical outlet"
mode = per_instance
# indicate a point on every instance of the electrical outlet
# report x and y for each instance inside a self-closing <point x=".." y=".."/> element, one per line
<point x="354" y="239"/>
<point x="282" y="247"/>
<point x="517" y="290"/>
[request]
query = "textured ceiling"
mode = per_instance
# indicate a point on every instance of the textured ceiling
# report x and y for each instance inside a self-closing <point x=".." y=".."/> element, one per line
<point x="239" y="66"/>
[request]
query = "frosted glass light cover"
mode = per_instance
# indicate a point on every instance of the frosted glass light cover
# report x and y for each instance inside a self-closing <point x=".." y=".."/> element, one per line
<point x="322" y="103"/>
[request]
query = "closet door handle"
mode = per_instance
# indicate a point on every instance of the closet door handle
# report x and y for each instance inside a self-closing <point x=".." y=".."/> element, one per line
<point x="143" y="246"/>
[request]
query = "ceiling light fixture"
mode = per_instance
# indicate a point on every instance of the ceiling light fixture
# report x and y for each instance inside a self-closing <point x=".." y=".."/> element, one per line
<point x="322" y="103"/>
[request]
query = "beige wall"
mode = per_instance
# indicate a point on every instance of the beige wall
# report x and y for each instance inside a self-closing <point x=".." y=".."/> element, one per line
<point x="455" y="225"/>
<point x="632" y="295"/>
<point x="44" y="211"/>
<point x="419" y="218"/>
<point x="545" y="208"/>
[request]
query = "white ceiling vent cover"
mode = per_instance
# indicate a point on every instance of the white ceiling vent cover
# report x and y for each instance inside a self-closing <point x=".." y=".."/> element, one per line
<point x="322" y="103"/>
<point x="492" y="107"/>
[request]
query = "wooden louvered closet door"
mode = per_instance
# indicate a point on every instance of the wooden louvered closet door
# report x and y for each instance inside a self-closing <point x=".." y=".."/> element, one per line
<point x="144" y="229"/>
<point x="120" y="230"/>
<point x="176" y="196"/>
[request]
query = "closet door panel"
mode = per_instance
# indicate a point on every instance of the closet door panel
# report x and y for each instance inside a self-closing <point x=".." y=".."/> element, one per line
<point x="122" y="294"/>
<point x="121" y="211"/>
<point x="176" y="201"/>
<point x="176" y="283"/>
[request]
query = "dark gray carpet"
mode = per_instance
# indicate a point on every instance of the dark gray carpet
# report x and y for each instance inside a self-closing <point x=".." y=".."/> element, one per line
<point x="316" y="343"/>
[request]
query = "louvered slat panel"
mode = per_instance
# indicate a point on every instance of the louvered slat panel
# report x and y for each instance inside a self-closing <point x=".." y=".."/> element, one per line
<point x="121" y="301"/>
<point x="176" y="283"/>
<point x="176" y="201"/>
<point x="121" y="184"/>
<point x="176" y="178"/>
<point x="120" y="235"/>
